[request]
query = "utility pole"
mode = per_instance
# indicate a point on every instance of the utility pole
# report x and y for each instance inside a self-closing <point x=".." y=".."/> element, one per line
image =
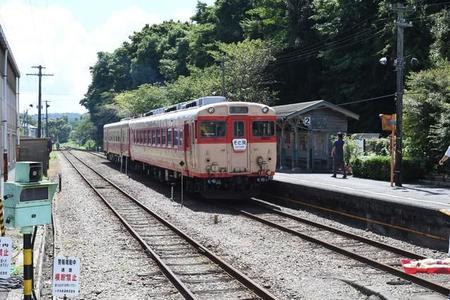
<point x="222" y="68"/>
<point x="46" y="117"/>
<point x="39" y="74"/>
<point x="401" y="25"/>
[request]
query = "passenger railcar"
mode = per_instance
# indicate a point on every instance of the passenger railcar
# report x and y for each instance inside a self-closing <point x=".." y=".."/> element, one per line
<point x="116" y="140"/>
<point x="225" y="149"/>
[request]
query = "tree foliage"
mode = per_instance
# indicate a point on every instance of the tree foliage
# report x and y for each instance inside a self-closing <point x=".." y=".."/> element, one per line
<point x="427" y="105"/>
<point x="83" y="130"/>
<point x="245" y="63"/>
<point x="59" y="129"/>
<point x="276" y="51"/>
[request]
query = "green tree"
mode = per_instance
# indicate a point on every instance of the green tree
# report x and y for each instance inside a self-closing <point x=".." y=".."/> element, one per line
<point x="427" y="108"/>
<point x="245" y="63"/>
<point x="141" y="100"/>
<point x="59" y="129"/>
<point x="83" y="131"/>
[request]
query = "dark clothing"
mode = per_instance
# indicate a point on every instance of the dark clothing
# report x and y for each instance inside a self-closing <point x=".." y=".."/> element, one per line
<point x="338" y="158"/>
<point x="339" y="150"/>
<point x="339" y="164"/>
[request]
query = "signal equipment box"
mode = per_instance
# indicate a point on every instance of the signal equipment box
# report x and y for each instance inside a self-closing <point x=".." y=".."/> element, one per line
<point x="28" y="199"/>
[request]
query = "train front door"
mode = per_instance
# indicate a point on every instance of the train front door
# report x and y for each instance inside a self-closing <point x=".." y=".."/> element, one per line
<point x="239" y="150"/>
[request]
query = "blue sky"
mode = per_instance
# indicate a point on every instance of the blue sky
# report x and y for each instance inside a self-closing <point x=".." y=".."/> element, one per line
<point x="65" y="36"/>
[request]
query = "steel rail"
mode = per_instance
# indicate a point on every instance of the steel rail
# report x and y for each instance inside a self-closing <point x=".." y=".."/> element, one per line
<point x="399" y="273"/>
<point x="377" y="244"/>
<point x="241" y="277"/>
<point x="362" y="219"/>
<point x="180" y="286"/>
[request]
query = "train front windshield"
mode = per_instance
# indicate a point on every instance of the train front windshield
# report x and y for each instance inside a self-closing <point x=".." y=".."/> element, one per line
<point x="212" y="129"/>
<point x="263" y="128"/>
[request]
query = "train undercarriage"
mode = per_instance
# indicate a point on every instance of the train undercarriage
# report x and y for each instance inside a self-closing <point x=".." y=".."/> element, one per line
<point x="214" y="187"/>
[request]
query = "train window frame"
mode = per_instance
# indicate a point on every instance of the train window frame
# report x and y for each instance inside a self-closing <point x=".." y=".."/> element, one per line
<point x="164" y="137"/>
<point x="222" y="128"/>
<point x="260" y="129"/>
<point x="193" y="133"/>
<point x="238" y="110"/>
<point x="158" y="137"/>
<point x="175" y="137"/>
<point x="235" y="122"/>
<point x="180" y="137"/>
<point x="170" y="137"/>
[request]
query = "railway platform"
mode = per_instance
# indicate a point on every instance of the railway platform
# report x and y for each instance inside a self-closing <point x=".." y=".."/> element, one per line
<point x="414" y="212"/>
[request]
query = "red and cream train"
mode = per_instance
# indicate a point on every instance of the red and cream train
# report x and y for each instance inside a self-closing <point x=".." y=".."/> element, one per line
<point x="222" y="149"/>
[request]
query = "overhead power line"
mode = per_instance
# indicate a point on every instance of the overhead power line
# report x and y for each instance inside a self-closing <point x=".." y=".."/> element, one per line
<point x="313" y="53"/>
<point x="366" y="100"/>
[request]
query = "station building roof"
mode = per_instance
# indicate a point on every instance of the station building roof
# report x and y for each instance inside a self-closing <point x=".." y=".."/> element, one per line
<point x="290" y="111"/>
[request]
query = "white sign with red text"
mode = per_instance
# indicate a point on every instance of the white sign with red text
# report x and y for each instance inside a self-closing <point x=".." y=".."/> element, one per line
<point x="66" y="276"/>
<point x="5" y="257"/>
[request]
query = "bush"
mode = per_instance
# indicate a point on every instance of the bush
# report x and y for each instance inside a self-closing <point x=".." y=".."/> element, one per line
<point x="90" y="144"/>
<point x="378" y="167"/>
<point x="378" y="146"/>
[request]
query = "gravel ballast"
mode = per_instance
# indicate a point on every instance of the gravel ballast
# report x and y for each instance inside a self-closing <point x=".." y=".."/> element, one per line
<point x="113" y="265"/>
<point x="290" y="267"/>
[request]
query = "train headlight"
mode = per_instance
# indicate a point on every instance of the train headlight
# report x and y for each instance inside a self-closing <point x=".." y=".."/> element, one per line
<point x="211" y="110"/>
<point x="265" y="109"/>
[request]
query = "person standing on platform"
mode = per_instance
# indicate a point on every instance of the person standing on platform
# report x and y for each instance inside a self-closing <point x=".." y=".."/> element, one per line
<point x="445" y="157"/>
<point x="338" y="156"/>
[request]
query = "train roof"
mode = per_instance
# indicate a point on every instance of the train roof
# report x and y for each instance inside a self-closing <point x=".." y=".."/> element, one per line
<point x="121" y="122"/>
<point x="185" y="113"/>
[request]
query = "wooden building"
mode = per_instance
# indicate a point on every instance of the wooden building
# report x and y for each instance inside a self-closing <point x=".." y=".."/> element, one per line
<point x="305" y="131"/>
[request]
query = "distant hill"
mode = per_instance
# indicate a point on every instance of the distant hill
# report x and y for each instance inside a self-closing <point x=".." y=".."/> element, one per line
<point x="71" y="116"/>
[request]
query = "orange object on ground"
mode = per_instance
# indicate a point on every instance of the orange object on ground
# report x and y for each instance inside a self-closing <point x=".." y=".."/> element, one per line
<point x="428" y="265"/>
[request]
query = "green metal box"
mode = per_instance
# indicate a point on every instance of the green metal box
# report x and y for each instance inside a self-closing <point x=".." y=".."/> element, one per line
<point x="28" y="204"/>
<point x="28" y="171"/>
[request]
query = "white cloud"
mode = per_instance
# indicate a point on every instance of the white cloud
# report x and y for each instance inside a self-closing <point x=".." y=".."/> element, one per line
<point x="53" y="37"/>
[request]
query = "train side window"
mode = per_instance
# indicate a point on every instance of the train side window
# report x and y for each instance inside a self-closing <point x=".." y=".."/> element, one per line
<point x="263" y="128"/>
<point x="238" y="130"/>
<point x="163" y="137"/>
<point x="169" y="137"/>
<point x="153" y="137"/>
<point x="175" y="137"/>
<point x="158" y="137"/>
<point x="180" y="133"/>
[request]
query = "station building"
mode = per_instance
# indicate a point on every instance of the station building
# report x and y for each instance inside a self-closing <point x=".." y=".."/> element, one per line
<point x="304" y="134"/>
<point x="9" y="95"/>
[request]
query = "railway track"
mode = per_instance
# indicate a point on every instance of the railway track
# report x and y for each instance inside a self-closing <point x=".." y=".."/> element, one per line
<point x="376" y="254"/>
<point x="195" y="271"/>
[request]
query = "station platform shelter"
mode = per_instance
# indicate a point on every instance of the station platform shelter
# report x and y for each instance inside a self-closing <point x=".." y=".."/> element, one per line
<point x="304" y="134"/>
